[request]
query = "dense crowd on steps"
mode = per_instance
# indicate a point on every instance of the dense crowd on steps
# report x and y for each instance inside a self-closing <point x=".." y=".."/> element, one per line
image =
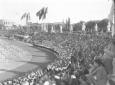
<point x="76" y="53"/>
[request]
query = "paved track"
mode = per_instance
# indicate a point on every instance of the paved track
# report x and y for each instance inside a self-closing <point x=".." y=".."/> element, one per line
<point x="34" y="59"/>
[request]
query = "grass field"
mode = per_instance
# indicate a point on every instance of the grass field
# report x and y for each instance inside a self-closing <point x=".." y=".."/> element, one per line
<point x="32" y="58"/>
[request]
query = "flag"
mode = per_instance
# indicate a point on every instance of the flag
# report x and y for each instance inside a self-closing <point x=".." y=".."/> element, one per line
<point x="42" y="13"/>
<point x="23" y="16"/>
<point x="45" y="12"/>
<point x="28" y="16"/>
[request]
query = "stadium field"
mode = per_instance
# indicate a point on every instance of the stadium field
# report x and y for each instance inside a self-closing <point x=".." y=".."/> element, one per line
<point x="17" y="57"/>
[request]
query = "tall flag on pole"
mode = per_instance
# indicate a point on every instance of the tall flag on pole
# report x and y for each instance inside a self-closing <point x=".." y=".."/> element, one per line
<point x="42" y="13"/>
<point x="26" y="16"/>
<point x="112" y="17"/>
<point x="23" y="16"/>
<point x="45" y="12"/>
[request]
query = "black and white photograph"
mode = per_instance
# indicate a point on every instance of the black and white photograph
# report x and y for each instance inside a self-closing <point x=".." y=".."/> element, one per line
<point x="57" y="42"/>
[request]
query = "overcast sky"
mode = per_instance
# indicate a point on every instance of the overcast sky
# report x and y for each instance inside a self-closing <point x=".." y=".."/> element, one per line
<point x="58" y="10"/>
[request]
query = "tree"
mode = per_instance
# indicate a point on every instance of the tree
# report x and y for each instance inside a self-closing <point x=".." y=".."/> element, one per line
<point x="57" y="28"/>
<point x="90" y="26"/>
<point x="77" y="27"/>
<point x="102" y="25"/>
<point x="67" y="25"/>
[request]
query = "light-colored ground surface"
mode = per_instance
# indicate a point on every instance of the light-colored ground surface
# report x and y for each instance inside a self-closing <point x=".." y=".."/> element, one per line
<point x="30" y="58"/>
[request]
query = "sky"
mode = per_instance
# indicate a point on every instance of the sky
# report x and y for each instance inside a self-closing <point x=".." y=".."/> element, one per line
<point x="58" y="10"/>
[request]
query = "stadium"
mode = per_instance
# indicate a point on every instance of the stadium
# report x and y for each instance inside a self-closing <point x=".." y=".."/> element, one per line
<point x="58" y="53"/>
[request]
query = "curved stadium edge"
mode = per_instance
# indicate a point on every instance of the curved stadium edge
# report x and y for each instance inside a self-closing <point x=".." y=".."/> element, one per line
<point x="51" y="49"/>
<point x="41" y="46"/>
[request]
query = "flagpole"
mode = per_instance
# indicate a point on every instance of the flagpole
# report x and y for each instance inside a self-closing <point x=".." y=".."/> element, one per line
<point x="42" y="15"/>
<point x="112" y="17"/>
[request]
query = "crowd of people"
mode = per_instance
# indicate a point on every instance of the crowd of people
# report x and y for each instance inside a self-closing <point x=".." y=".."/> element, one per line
<point x="79" y="60"/>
